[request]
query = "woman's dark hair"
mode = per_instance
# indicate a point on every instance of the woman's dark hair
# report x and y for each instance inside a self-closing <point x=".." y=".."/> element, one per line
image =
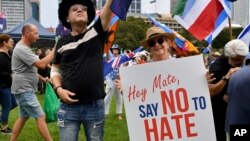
<point x="4" y="38"/>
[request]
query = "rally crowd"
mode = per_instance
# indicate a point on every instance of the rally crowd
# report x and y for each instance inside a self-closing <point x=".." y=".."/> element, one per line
<point x="76" y="72"/>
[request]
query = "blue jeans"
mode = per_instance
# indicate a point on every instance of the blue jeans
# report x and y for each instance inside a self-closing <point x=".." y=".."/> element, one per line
<point x="89" y="114"/>
<point x="8" y="102"/>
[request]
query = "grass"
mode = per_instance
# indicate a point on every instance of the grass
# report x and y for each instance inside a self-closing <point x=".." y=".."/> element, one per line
<point x="115" y="130"/>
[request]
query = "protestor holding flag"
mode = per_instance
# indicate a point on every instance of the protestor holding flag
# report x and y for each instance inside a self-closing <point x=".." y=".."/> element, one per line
<point x="111" y="89"/>
<point x="113" y="63"/>
<point x="77" y="69"/>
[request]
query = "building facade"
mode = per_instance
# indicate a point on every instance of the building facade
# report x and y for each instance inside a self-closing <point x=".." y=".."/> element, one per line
<point x="163" y="18"/>
<point x="18" y="11"/>
<point x="240" y="12"/>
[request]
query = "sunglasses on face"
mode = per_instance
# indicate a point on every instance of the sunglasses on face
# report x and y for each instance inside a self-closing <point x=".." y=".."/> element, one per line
<point x="152" y="42"/>
<point x="76" y="7"/>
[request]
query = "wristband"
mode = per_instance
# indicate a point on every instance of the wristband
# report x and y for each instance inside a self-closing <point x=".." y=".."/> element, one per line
<point x="57" y="88"/>
<point x="225" y="79"/>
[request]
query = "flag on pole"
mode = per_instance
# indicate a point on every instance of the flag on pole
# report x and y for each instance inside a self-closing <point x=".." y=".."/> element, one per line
<point x="245" y="35"/>
<point x="3" y="22"/>
<point x="113" y="25"/>
<point x="116" y="62"/>
<point x="120" y="8"/>
<point x="204" y="19"/>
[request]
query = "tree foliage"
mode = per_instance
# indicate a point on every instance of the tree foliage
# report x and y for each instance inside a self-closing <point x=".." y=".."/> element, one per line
<point x="223" y="37"/>
<point x="131" y="32"/>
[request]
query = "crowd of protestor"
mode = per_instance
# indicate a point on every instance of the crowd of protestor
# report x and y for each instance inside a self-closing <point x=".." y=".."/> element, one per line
<point x="75" y="67"/>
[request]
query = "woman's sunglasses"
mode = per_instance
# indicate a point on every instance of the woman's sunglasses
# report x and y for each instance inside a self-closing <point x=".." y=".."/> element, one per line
<point x="152" y="42"/>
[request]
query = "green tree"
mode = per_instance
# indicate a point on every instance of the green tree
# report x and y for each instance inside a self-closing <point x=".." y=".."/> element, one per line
<point x="131" y="32"/>
<point x="220" y="41"/>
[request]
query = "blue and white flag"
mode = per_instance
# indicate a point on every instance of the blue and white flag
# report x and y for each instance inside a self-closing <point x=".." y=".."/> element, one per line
<point x="204" y="19"/>
<point x="207" y="50"/>
<point x="245" y="35"/>
<point x="110" y="65"/>
<point x="179" y="41"/>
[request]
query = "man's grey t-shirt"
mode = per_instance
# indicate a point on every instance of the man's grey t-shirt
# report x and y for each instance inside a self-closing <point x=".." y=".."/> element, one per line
<point x="25" y="76"/>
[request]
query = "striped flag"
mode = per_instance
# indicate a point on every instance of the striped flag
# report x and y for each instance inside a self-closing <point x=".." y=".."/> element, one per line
<point x="113" y="25"/>
<point x="3" y="22"/>
<point x="204" y="19"/>
<point x="245" y="35"/>
<point x="120" y="8"/>
<point x="116" y="62"/>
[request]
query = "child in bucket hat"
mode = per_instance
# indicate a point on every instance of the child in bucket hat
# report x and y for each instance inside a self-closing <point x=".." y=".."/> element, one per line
<point x="77" y="69"/>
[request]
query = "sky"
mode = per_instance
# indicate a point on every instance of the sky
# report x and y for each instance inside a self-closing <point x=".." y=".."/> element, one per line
<point x="48" y="13"/>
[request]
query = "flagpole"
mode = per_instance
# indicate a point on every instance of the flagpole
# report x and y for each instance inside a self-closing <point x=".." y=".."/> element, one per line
<point x="230" y="29"/>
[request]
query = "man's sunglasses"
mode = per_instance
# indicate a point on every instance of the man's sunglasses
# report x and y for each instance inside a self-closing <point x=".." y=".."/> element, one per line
<point x="152" y="42"/>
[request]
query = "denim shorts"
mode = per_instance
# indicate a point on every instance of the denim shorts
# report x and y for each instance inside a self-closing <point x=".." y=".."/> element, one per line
<point x="29" y="105"/>
<point x="89" y="114"/>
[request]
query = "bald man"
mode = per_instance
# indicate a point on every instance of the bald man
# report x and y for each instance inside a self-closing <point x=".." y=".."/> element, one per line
<point x="25" y="80"/>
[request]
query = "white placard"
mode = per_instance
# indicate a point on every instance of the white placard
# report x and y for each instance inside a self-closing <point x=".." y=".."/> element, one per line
<point x="168" y="100"/>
